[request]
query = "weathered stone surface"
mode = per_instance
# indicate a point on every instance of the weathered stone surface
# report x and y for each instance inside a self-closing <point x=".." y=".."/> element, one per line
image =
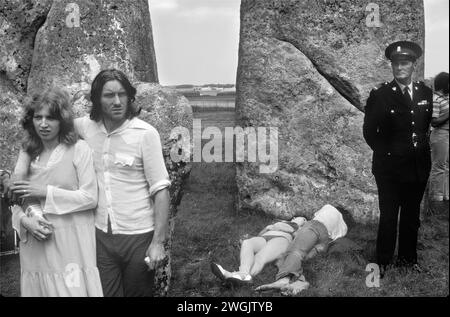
<point x="19" y="22"/>
<point x="79" y="38"/>
<point x="10" y="130"/>
<point x="163" y="108"/>
<point x="339" y="37"/>
<point x="306" y="67"/>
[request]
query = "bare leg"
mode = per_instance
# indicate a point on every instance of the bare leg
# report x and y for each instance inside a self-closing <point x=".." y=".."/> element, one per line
<point x="248" y="249"/>
<point x="273" y="249"/>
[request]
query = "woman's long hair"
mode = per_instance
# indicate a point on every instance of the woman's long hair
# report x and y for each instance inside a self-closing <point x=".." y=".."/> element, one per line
<point x="60" y="107"/>
<point x="96" y="93"/>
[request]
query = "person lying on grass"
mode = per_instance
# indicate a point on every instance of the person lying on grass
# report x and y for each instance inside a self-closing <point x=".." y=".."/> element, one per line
<point x="312" y="238"/>
<point x="257" y="251"/>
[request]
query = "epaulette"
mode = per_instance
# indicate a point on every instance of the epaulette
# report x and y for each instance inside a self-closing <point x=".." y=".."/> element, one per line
<point x="379" y="86"/>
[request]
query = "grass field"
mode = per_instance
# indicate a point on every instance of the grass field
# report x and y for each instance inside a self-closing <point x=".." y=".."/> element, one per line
<point x="208" y="228"/>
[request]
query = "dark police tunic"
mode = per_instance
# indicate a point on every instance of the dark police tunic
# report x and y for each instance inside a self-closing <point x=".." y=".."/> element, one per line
<point x="397" y="131"/>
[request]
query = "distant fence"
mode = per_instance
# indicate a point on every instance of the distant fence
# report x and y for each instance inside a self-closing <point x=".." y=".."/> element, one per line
<point x="212" y="103"/>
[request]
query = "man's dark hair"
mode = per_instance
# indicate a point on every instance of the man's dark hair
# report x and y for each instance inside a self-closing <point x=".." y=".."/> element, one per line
<point x="441" y="83"/>
<point x="96" y="92"/>
<point x="347" y="216"/>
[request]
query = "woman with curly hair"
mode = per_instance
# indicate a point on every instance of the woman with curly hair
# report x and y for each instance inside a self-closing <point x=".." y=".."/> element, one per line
<point x="59" y="195"/>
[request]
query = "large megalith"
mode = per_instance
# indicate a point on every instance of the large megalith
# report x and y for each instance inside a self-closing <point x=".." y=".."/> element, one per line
<point x="306" y="68"/>
<point x="81" y="37"/>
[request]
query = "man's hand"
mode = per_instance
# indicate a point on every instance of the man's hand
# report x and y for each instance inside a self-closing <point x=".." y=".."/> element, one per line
<point x="24" y="189"/>
<point x="156" y="254"/>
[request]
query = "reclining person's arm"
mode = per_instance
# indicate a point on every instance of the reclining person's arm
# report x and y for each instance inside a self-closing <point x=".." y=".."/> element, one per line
<point x="283" y="226"/>
<point x="318" y="248"/>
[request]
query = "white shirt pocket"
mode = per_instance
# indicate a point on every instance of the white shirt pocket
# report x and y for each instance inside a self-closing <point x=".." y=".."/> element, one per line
<point x="123" y="159"/>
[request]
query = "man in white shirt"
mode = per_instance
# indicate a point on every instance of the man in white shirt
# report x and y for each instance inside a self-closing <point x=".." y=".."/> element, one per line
<point x="132" y="214"/>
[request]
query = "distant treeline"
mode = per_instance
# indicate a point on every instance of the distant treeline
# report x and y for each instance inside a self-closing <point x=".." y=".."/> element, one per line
<point x="189" y="86"/>
<point x="197" y="94"/>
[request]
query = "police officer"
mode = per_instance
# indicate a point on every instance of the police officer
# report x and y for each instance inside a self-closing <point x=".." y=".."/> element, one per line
<point x="396" y="124"/>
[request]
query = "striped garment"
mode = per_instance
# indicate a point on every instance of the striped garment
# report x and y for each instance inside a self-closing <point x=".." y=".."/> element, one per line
<point x="440" y="106"/>
<point x="285" y="229"/>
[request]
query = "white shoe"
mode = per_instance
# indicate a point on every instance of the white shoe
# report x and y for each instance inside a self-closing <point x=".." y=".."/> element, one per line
<point x="239" y="278"/>
<point x="219" y="271"/>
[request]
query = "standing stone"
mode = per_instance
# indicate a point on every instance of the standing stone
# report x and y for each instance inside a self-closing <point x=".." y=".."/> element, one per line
<point x="307" y="67"/>
<point x="163" y="108"/>
<point x="82" y="37"/>
<point x="10" y="131"/>
<point x="19" y="22"/>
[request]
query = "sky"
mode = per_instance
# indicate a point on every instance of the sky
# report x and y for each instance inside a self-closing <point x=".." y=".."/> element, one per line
<point x="196" y="41"/>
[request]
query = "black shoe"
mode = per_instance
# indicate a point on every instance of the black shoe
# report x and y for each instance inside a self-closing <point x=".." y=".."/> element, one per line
<point x="400" y="263"/>
<point x="417" y="268"/>
<point x="383" y="269"/>
<point x="218" y="271"/>
<point x="410" y="266"/>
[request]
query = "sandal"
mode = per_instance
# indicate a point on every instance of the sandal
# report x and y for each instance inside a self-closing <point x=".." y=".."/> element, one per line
<point x="240" y="278"/>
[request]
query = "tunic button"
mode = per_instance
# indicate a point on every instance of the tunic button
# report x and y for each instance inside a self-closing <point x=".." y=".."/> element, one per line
<point x="412" y="111"/>
<point x="392" y="111"/>
<point x="413" y="123"/>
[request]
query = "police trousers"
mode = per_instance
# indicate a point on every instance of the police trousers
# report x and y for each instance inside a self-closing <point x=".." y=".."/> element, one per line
<point x="394" y="198"/>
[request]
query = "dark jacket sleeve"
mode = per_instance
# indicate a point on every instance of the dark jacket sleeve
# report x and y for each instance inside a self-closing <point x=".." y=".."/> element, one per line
<point x="371" y="126"/>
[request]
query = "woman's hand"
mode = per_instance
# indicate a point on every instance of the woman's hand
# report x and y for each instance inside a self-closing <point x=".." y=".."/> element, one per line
<point x="26" y="189"/>
<point x="39" y="227"/>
